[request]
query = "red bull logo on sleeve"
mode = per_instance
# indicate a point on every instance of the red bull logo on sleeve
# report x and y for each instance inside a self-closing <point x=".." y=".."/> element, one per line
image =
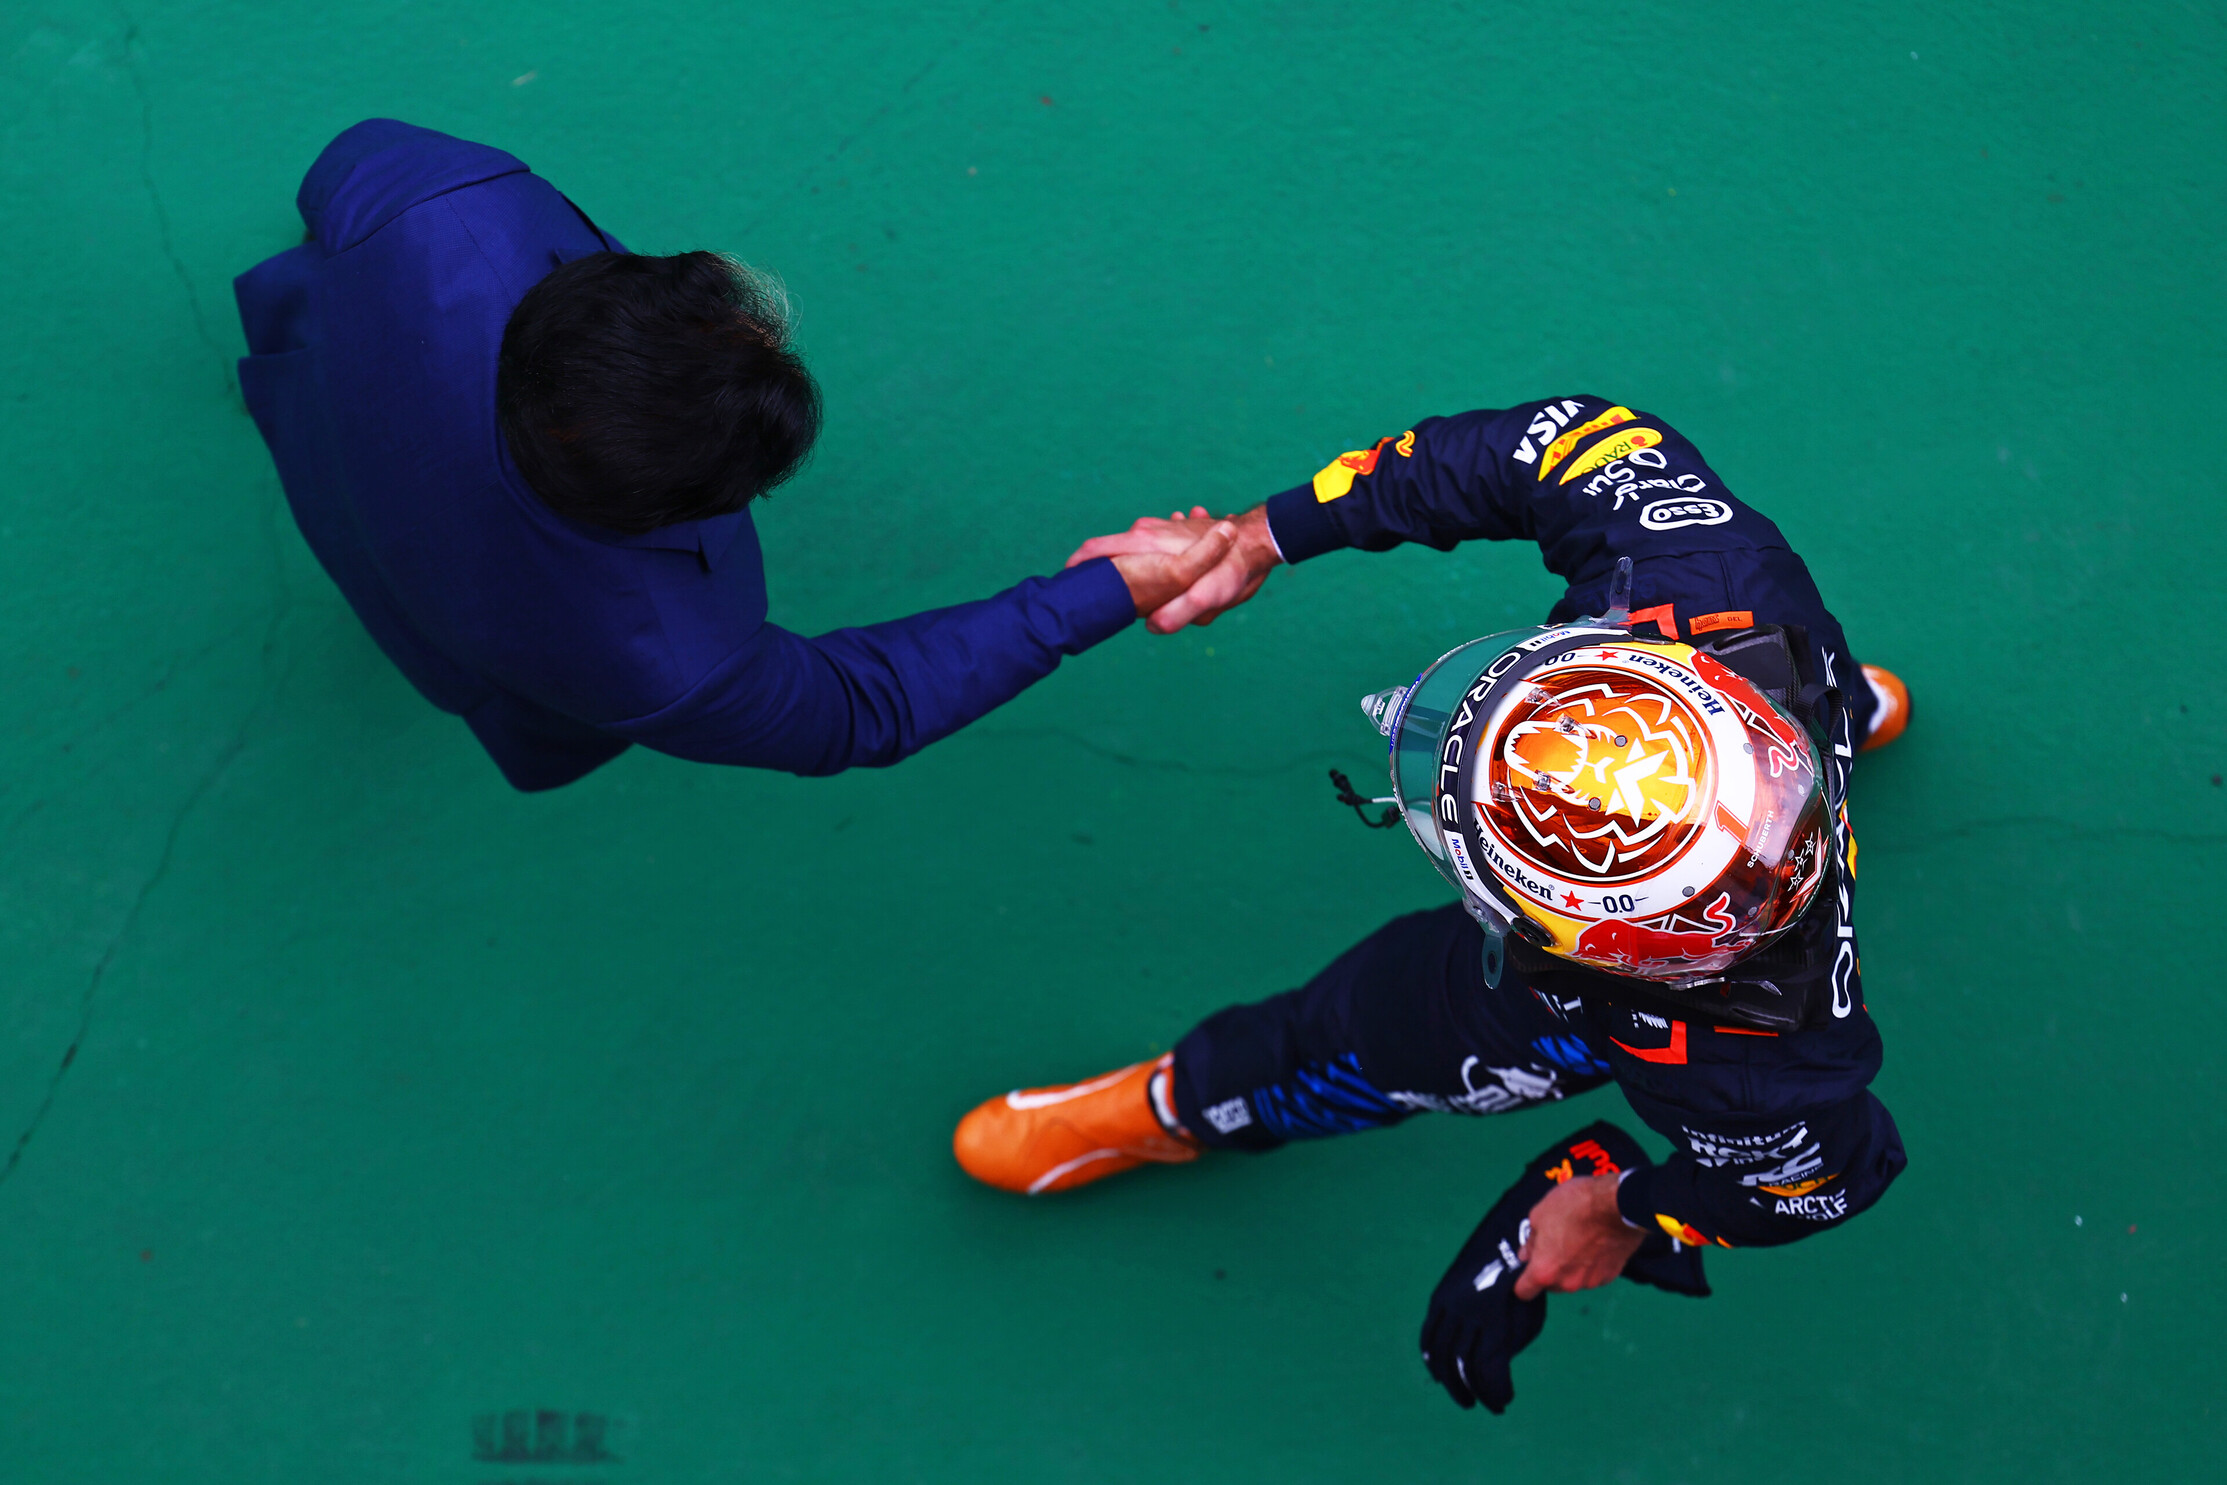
<point x="1686" y="1232"/>
<point x="1335" y="479"/>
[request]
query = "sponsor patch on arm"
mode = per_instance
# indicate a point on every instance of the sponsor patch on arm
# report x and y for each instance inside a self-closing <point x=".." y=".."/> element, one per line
<point x="1335" y="479"/>
<point x="1608" y="450"/>
<point x="1686" y="1232"/>
<point x="1559" y="450"/>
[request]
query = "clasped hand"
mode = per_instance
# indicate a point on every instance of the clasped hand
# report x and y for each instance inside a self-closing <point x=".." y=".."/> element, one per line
<point x="1188" y="569"/>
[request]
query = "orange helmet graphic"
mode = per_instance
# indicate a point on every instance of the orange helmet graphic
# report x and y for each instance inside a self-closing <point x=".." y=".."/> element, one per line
<point x="1642" y="807"/>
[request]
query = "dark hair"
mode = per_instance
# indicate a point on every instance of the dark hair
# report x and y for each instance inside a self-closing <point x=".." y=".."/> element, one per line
<point x="637" y="392"/>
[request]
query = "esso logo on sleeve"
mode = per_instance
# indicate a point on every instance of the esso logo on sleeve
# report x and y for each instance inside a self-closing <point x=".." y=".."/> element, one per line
<point x="1670" y="515"/>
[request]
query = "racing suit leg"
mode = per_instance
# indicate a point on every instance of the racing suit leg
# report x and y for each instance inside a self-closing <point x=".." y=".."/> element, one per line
<point x="1400" y="1023"/>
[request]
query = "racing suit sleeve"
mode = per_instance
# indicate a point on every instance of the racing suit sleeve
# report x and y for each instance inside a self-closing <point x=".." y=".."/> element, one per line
<point x="1589" y="480"/>
<point x="867" y="697"/>
<point x="1743" y="1181"/>
<point x="1777" y="1136"/>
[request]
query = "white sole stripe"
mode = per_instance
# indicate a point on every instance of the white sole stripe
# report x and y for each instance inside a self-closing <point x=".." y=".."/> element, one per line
<point x="1065" y="1167"/>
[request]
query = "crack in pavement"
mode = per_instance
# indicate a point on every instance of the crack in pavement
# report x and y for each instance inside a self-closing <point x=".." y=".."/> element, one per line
<point x="163" y="235"/>
<point x="178" y="665"/>
<point x="275" y="668"/>
<point x="181" y="662"/>
<point x="123" y="934"/>
<point x="115" y="945"/>
<point x="155" y="878"/>
<point x="275" y="671"/>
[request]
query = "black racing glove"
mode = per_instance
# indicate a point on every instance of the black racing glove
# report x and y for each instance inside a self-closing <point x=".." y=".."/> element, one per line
<point x="1476" y="1325"/>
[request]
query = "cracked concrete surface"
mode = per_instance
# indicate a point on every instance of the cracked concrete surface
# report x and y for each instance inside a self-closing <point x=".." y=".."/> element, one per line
<point x="353" y="1097"/>
<point x="108" y="956"/>
<point x="163" y="233"/>
<point x="84" y="777"/>
<point x="265" y="697"/>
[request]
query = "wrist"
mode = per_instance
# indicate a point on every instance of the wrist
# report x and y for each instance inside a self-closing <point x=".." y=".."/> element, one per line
<point x="1256" y="539"/>
<point x="1616" y="1202"/>
<point x="1302" y="526"/>
<point x="1635" y="1199"/>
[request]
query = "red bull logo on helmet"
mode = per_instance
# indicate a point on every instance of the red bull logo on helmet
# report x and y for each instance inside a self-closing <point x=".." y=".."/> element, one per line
<point x="1614" y="943"/>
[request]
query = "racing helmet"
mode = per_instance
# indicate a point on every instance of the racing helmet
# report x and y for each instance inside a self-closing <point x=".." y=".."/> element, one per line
<point x="1628" y="803"/>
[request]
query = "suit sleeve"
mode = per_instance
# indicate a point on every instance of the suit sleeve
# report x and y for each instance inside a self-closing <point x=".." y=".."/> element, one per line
<point x="868" y="697"/>
<point x="1771" y="1153"/>
<point x="1739" y="1183"/>
<point x="1587" y="479"/>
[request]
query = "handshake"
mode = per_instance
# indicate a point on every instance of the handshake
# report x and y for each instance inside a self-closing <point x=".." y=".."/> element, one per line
<point x="1188" y="569"/>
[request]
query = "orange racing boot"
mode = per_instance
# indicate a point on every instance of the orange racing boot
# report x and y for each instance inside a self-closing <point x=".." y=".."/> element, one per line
<point x="1035" y="1140"/>
<point x="1894" y="707"/>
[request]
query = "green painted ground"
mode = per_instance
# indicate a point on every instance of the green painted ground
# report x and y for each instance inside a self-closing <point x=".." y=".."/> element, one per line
<point x="400" y="1099"/>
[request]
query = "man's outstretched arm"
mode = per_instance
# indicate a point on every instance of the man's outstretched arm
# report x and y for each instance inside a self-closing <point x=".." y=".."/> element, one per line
<point x="870" y="696"/>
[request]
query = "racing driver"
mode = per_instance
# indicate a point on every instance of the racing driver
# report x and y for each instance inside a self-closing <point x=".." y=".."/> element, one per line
<point x="1643" y="807"/>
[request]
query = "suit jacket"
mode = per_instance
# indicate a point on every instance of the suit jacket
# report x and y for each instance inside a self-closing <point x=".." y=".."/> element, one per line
<point x="371" y="374"/>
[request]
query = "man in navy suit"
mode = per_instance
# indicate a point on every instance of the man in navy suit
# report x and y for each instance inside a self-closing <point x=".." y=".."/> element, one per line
<point x="526" y="455"/>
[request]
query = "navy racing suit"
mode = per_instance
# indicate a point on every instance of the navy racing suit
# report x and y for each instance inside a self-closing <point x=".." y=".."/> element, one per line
<point x="1777" y="1135"/>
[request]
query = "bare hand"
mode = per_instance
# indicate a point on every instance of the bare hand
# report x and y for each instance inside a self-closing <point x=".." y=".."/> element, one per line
<point x="1578" y="1241"/>
<point x="1161" y="571"/>
<point x="1148" y="534"/>
<point x="1235" y="578"/>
